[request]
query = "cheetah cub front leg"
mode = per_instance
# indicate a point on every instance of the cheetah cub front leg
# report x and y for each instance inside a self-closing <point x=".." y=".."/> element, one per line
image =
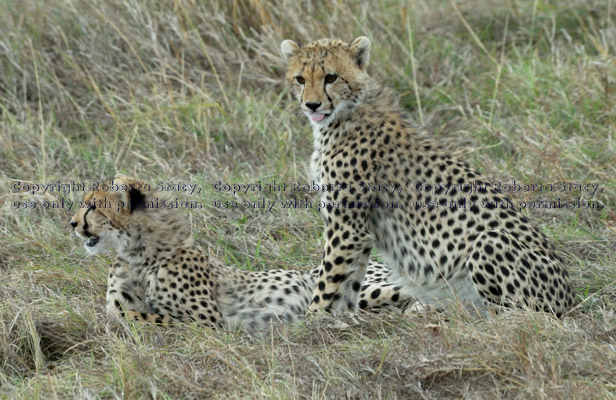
<point x="347" y="252"/>
<point x="123" y="292"/>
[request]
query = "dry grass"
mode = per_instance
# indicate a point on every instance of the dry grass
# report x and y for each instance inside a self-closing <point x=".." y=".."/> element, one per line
<point x="191" y="91"/>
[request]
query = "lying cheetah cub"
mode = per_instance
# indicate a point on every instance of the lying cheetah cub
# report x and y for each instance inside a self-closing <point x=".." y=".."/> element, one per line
<point x="161" y="276"/>
<point x="392" y="189"/>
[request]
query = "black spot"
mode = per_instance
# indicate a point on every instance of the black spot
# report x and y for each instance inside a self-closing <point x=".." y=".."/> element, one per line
<point x="127" y="297"/>
<point x="489" y="269"/>
<point x="496" y="291"/>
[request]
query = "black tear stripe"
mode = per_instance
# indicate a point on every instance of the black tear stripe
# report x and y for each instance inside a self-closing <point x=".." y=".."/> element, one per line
<point x="85" y="221"/>
<point x="327" y="94"/>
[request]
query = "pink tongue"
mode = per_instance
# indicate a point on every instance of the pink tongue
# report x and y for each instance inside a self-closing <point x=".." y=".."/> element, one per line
<point x="316" y="117"/>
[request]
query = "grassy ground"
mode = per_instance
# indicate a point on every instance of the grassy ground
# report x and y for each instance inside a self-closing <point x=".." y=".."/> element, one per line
<point x="191" y="91"/>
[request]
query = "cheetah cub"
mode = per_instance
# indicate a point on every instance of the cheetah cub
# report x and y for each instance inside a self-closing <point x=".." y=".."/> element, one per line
<point x="161" y="276"/>
<point x="439" y="225"/>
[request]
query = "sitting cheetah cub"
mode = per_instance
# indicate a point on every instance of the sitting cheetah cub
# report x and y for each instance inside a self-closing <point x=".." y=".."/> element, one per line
<point x="161" y="276"/>
<point x="390" y="188"/>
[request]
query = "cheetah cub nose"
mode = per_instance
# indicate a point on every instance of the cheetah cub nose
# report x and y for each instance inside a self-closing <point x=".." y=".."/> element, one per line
<point x="74" y="224"/>
<point x="313" y="106"/>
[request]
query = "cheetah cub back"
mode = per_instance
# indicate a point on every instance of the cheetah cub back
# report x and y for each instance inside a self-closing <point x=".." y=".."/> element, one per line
<point x="440" y="226"/>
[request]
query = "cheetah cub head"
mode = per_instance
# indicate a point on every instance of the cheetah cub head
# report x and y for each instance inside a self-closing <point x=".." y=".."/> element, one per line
<point x="104" y="218"/>
<point x="327" y="76"/>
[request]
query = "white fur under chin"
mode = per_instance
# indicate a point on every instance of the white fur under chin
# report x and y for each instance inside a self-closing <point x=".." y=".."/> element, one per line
<point x="102" y="245"/>
<point x="94" y="250"/>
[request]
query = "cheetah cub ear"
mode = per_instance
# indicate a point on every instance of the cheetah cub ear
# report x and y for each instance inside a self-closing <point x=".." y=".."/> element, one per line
<point x="360" y="50"/>
<point x="289" y="48"/>
<point x="134" y="197"/>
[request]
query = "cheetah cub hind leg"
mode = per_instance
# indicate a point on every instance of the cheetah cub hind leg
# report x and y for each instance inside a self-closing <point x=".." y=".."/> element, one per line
<point x="510" y="273"/>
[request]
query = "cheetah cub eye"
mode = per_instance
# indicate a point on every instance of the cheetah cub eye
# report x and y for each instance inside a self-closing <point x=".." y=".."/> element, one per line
<point x="331" y="78"/>
<point x="300" y="80"/>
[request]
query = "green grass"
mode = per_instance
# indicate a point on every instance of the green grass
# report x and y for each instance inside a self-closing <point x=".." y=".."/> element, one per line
<point x="191" y="91"/>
